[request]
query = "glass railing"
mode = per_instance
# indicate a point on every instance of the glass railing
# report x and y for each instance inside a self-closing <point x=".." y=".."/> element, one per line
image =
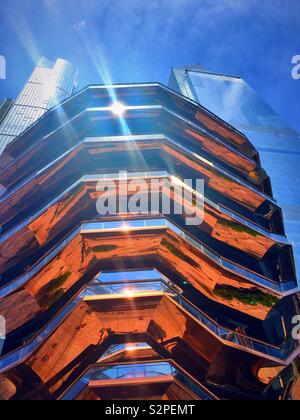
<point x="130" y="275"/>
<point x="195" y="124"/>
<point x="138" y="288"/>
<point x="132" y="289"/>
<point x="229" y="336"/>
<point x="153" y="224"/>
<point x="121" y="348"/>
<point x="228" y="265"/>
<point x="131" y="371"/>
<point x="279" y="383"/>
<point x="253" y="226"/>
<point x="164" y="174"/>
<point x="230" y="175"/>
<point x="20" y="355"/>
<point x="129" y="289"/>
<point x="145" y="175"/>
<point x="137" y="371"/>
<point x="147" y="137"/>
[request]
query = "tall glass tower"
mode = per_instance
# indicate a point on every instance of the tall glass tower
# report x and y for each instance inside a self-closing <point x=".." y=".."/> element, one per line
<point x="5" y="106"/>
<point x="278" y="145"/>
<point x="49" y="84"/>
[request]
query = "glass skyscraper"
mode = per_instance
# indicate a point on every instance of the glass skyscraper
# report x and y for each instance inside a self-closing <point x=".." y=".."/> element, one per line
<point x="278" y="145"/>
<point x="5" y="106"/>
<point x="49" y="84"/>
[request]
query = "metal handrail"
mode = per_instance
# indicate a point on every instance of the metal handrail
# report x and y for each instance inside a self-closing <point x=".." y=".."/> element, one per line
<point x="283" y="288"/>
<point x="173" y="369"/>
<point x="227" y="336"/>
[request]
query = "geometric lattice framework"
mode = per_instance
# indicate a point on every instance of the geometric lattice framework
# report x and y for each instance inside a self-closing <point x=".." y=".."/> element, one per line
<point x="134" y="306"/>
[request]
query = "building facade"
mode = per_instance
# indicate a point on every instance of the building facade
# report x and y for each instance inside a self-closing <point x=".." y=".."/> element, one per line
<point x="49" y="84"/>
<point x="136" y="305"/>
<point x="5" y="106"/>
<point x="278" y="145"/>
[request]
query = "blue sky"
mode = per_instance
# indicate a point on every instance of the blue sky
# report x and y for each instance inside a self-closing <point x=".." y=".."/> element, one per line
<point x="140" y="40"/>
